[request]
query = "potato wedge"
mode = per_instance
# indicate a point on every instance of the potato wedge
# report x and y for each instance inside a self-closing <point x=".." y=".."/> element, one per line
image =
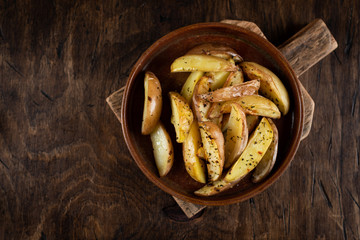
<point x="251" y="121"/>
<point x="213" y="143"/>
<point x="199" y="105"/>
<point x="230" y="93"/>
<point x="267" y="163"/>
<point x="193" y="164"/>
<point x="218" y="79"/>
<point x="234" y="78"/>
<point x="257" y="146"/>
<point x="271" y="86"/>
<point x="225" y="123"/>
<point x="216" y="50"/>
<point x="201" y="153"/>
<point x="213" y="188"/>
<point x="188" y="87"/>
<point x="152" y="103"/>
<point x="182" y="116"/>
<point x="163" y="149"/>
<point x="236" y="135"/>
<point x="203" y="63"/>
<point x="254" y="105"/>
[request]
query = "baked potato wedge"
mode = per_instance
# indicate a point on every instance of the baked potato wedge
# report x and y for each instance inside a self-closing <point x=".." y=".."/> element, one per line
<point x="213" y="143"/>
<point x="218" y="79"/>
<point x="163" y="149"/>
<point x="251" y="121"/>
<point x="271" y="86"/>
<point x="230" y="93"/>
<point x="216" y="50"/>
<point x="234" y="78"/>
<point x="193" y="164"/>
<point x="254" y="105"/>
<point x="189" y="85"/>
<point x="213" y="188"/>
<point x="236" y="135"/>
<point x="267" y="163"/>
<point x="182" y="116"/>
<point x="152" y="103"/>
<point x="203" y="63"/>
<point x="257" y="146"/>
<point x="199" y="105"/>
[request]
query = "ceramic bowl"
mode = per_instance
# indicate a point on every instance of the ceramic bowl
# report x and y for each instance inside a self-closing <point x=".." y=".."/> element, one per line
<point x="158" y="58"/>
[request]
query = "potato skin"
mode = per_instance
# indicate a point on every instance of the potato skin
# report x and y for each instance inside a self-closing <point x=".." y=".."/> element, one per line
<point x="267" y="163"/>
<point x="271" y="86"/>
<point x="152" y="103"/>
<point x="163" y="149"/>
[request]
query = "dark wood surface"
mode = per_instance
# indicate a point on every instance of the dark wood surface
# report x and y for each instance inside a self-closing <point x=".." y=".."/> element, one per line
<point x="65" y="172"/>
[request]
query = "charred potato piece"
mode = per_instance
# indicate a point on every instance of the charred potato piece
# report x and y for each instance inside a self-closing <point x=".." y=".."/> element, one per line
<point x="163" y="149"/>
<point x="271" y="86"/>
<point x="203" y="63"/>
<point x="152" y="103"/>
<point x="182" y="116"/>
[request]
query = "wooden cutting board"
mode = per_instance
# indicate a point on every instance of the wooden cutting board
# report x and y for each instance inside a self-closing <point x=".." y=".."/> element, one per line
<point x="303" y="50"/>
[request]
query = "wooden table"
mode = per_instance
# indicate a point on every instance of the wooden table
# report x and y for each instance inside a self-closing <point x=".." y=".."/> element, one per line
<point x="65" y="171"/>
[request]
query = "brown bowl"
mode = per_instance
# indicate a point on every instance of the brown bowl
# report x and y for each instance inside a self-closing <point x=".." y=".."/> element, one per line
<point x="158" y="59"/>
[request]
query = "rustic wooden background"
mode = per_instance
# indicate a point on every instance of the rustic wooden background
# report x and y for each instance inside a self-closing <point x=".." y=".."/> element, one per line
<point x="65" y="172"/>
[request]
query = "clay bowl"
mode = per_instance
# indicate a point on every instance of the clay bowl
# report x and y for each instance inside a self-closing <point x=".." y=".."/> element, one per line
<point x="158" y="59"/>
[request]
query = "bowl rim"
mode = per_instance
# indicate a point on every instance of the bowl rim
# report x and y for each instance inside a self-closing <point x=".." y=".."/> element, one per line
<point x="273" y="51"/>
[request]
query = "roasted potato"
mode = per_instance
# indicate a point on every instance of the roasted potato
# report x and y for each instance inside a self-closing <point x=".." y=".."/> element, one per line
<point x="188" y="87"/>
<point x="203" y="63"/>
<point x="182" y="116"/>
<point x="236" y="135"/>
<point x="271" y="86"/>
<point x="213" y="188"/>
<point x="267" y="163"/>
<point x="199" y="105"/>
<point x="193" y="164"/>
<point x="234" y="78"/>
<point x="257" y="146"/>
<point x="254" y="105"/>
<point x="230" y="93"/>
<point x="251" y="121"/>
<point x="163" y="149"/>
<point x="152" y="103"/>
<point x="216" y="50"/>
<point x="213" y="143"/>
<point x="217" y="79"/>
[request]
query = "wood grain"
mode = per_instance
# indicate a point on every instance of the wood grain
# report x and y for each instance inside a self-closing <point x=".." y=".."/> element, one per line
<point x="65" y="172"/>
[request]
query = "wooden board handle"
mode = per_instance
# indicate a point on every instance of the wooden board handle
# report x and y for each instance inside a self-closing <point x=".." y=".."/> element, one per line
<point x="308" y="46"/>
<point x="303" y="50"/>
